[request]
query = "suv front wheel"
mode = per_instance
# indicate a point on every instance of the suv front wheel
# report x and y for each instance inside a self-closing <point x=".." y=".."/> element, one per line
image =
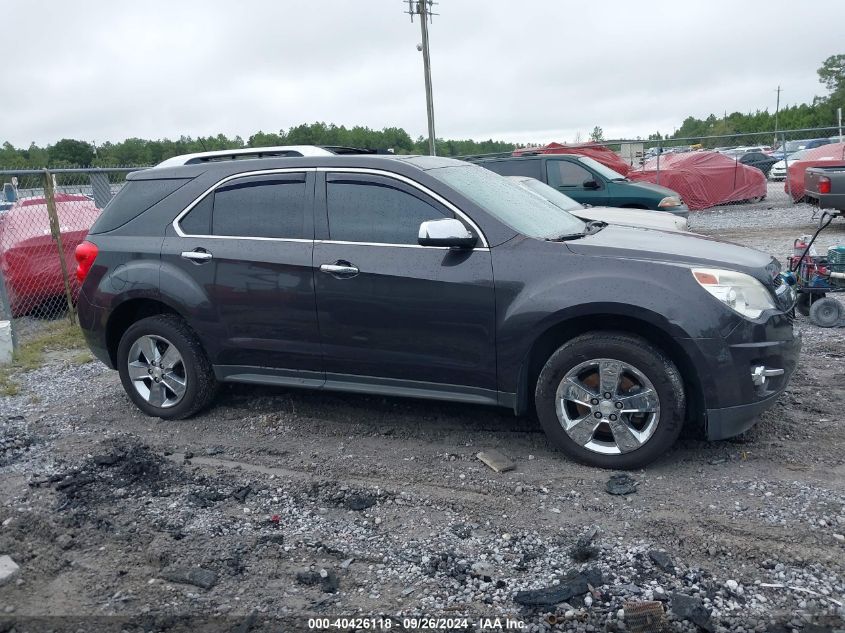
<point x="611" y="400"/>
<point x="164" y="369"/>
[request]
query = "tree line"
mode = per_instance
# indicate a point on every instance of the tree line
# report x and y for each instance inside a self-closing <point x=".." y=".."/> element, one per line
<point x="821" y="113"/>
<point x="138" y="151"/>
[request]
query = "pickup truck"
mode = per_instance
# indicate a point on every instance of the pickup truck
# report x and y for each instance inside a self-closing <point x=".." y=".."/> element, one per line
<point x="588" y="182"/>
<point x="824" y="187"/>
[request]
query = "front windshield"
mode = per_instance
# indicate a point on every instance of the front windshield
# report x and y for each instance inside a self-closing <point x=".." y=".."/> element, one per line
<point x="512" y="205"/>
<point x="797" y="155"/>
<point x="604" y="171"/>
<point x="551" y="194"/>
<point x="794" y="146"/>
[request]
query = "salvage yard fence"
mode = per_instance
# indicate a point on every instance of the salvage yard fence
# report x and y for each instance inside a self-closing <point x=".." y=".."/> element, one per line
<point x="44" y="215"/>
<point x="762" y="157"/>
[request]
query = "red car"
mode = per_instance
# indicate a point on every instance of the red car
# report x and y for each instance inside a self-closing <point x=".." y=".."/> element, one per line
<point x="29" y="257"/>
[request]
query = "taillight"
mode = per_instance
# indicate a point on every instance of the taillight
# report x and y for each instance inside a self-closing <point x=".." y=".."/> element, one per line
<point x="86" y="253"/>
<point x="824" y="184"/>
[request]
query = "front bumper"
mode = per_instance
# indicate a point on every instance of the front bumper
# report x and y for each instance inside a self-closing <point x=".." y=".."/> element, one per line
<point x="732" y="398"/>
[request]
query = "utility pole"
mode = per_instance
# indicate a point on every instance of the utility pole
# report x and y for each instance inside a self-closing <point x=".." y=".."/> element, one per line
<point x="423" y="8"/>
<point x="777" y="110"/>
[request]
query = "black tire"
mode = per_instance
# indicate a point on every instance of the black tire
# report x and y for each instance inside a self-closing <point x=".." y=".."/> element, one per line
<point x="638" y="353"/>
<point x="200" y="383"/>
<point x="803" y="303"/>
<point x="826" y="312"/>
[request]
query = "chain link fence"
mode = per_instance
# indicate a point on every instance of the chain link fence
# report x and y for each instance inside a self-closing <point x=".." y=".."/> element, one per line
<point x="44" y="215"/>
<point x="764" y="168"/>
<point x="767" y="166"/>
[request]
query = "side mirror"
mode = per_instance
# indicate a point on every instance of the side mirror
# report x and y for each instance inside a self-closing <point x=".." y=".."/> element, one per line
<point x="590" y="184"/>
<point x="447" y="232"/>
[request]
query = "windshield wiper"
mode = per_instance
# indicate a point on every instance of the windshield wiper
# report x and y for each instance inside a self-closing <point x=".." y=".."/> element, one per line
<point x="568" y="236"/>
<point x="593" y="226"/>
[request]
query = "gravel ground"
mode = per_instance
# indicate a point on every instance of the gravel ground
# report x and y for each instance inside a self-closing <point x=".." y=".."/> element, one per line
<point x="278" y="506"/>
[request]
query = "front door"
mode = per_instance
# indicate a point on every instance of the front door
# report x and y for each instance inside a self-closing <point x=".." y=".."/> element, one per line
<point x="569" y="177"/>
<point x="249" y="245"/>
<point x="393" y="312"/>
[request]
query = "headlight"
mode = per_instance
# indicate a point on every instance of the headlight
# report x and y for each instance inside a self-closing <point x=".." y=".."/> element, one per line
<point x="669" y="201"/>
<point x="740" y="292"/>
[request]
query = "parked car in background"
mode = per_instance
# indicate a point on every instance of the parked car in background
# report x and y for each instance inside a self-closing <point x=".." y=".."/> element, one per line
<point x="790" y="147"/>
<point x="777" y="171"/>
<point x="589" y="182"/>
<point x="29" y="257"/>
<point x="761" y="161"/>
<point x="830" y="155"/>
<point x="824" y="187"/>
<point x="704" y="179"/>
<point x="429" y="277"/>
<point x="611" y="215"/>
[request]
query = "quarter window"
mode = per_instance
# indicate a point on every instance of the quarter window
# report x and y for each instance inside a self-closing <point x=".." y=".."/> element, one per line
<point x="254" y="206"/>
<point x="562" y="173"/>
<point x="376" y="209"/>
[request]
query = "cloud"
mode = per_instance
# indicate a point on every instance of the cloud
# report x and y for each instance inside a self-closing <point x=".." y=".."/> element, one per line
<point x="528" y="71"/>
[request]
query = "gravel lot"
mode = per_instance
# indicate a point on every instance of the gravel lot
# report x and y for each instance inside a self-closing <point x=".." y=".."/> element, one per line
<point x="276" y="506"/>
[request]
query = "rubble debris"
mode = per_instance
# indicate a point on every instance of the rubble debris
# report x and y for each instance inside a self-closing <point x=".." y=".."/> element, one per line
<point x="571" y="585"/>
<point x="108" y="459"/>
<point x="584" y="550"/>
<point x="8" y="569"/>
<point x="662" y="560"/>
<point x="461" y="530"/>
<point x="242" y="493"/>
<point x="692" y="609"/>
<point x="496" y="461"/>
<point x="621" y="484"/>
<point x="197" y="576"/>
<point x="326" y="578"/>
<point x="483" y="569"/>
<point x="359" y="502"/>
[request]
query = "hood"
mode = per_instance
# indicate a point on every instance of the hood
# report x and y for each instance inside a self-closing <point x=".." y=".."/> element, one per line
<point x="649" y="186"/>
<point x="628" y="242"/>
<point x="633" y="217"/>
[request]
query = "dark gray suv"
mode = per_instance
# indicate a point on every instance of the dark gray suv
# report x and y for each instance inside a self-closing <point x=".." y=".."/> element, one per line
<point x="430" y="278"/>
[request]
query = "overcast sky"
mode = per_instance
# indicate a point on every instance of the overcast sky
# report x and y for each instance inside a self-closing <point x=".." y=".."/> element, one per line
<point x="519" y="71"/>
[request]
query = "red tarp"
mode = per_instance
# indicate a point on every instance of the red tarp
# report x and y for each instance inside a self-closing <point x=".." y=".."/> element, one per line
<point x="704" y="179"/>
<point x="827" y="155"/>
<point x="29" y="258"/>
<point x="600" y="153"/>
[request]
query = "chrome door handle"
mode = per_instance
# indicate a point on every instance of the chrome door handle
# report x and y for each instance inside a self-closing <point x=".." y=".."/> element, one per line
<point x="197" y="256"/>
<point x="339" y="269"/>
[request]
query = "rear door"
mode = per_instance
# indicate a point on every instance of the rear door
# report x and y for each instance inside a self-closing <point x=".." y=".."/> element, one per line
<point x="249" y="244"/>
<point x="393" y="312"/>
<point x="569" y="177"/>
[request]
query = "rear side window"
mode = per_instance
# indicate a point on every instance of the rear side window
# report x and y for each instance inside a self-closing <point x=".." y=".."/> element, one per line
<point x="517" y="167"/>
<point x="270" y="206"/>
<point x="376" y="209"/>
<point x="135" y="197"/>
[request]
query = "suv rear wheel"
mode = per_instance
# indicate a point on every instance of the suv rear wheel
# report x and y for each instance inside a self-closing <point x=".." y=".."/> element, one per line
<point x="611" y="400"/>
<point x="164" y="369"/>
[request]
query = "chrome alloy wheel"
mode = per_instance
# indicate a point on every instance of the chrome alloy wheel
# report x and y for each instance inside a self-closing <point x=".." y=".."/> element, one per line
<point x="607" y="406"/>
<point x="157" y="371"/>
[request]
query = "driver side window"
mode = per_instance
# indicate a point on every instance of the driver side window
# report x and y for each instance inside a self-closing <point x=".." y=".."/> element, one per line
<point x="376" y="209"/>
<point x="563" y="173"/>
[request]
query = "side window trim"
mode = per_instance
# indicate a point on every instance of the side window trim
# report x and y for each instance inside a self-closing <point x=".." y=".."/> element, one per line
<point x="329" y="171"/>
<point x="309" y="204"/>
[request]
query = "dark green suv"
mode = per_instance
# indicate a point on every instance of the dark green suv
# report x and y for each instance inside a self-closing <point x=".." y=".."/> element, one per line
<point x="589" y="182"/>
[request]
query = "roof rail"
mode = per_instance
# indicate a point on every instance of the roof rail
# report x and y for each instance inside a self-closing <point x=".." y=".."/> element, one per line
<point x="281" y="151"/>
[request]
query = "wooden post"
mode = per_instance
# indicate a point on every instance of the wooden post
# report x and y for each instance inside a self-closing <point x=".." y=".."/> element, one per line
<point x="56" y="231"/>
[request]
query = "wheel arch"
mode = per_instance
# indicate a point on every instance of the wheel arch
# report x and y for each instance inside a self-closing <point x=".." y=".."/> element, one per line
<point x="558" y="333"/>
<point x="127" y="313"/>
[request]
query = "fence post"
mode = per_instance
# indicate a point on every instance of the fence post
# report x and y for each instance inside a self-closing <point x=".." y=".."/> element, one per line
<point x="6" y="310"/>
<point x="659" y="152"/>
<point x="786" y="164"/>
<point x="55" y="229"/>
